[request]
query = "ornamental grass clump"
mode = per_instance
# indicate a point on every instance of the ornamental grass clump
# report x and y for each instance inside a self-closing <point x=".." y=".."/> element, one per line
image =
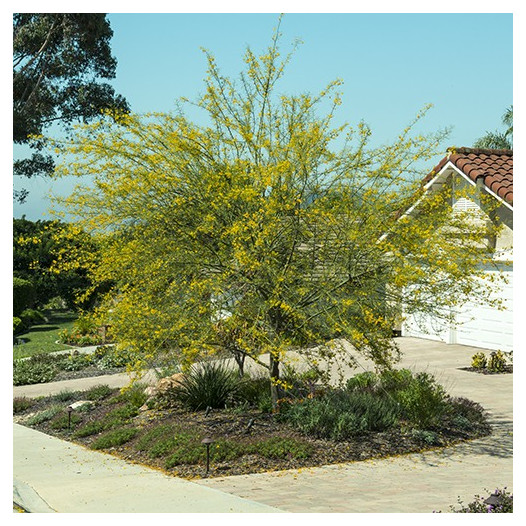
<point x="209" y="384"/>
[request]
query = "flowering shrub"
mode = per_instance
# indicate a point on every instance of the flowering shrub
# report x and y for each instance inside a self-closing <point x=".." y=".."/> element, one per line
<point x="503" y="497"/>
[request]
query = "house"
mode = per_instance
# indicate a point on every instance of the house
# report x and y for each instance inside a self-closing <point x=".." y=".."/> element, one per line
<point x="488" y="172"/>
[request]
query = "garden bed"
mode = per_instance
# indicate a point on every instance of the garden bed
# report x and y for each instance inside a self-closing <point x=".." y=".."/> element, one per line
<point x="245" y="439"/>
<point x="506" y="369"/>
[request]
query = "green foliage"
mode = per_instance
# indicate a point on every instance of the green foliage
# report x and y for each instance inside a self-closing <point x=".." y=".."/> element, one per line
<point x="43" y="253"/>
<point x="497" y="362"/>
<point x="114" y="438"/>
<point x="135" y="395"/>
<point x="497" y="139"/>
<point x="91" y="428"/>
<point x="59" y="63"/>
<point x="98" y="392"/>
<point x="64" y="396"/>
<point x="109" y="357"/>
<point x="255" y="392"/>
<point x="45" y="415"/>
<point x="34" y="370"/>
<point x="282" y="447"/>
<point x="342" y="415"/>
<point x="479" y="361"/>
<point x="479" y="506"/>
<point x="208" y="384"/>
<point x="186" y="448"/>
<point x="41" y="368"/>
<point x="24" y="295"/>
<point x="18" y="326"/>
<point x="43" y="338"/>
<point x="62" y="421"/>
<point x="21" y="404"/>
<point x="428" y="438"/>
<point x="421" y="400"/>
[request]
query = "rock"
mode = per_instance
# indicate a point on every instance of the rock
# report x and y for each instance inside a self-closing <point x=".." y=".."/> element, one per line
<point x="150" y="391"/>
<point x="80" y="403"/>
<point x="168" y="383"/>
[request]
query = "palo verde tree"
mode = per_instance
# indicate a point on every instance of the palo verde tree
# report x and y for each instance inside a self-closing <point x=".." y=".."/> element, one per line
<point x="59" y="63"/>
<point x="268" y="229"/>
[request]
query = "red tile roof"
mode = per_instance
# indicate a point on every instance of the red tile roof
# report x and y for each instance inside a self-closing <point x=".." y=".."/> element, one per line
<point x="495" y="167"/>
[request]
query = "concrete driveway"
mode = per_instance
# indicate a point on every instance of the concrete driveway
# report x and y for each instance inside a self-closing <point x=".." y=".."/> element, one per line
<point x="414" y="483"/>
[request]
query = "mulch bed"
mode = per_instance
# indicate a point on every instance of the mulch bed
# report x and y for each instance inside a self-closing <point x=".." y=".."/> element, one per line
<point x="232" y="424"/>
<point x="508" y="369"/>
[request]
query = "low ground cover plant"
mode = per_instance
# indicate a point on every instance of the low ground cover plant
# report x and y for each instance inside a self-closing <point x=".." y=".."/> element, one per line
<point x="43" y="368"/>
<point x="382" y="414"/>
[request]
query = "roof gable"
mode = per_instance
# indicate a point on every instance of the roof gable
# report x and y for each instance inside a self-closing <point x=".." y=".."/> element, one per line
<point x="493" y="167"/>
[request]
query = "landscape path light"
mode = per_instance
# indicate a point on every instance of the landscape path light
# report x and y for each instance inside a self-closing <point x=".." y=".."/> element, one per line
<point x="207" y="441"/>
<point x="70" y="410"/>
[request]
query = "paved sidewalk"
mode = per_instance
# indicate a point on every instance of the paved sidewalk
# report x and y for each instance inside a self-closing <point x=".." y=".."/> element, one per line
<point x="51" y="474"/>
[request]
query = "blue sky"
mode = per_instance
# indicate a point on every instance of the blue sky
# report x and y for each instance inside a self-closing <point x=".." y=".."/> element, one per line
<point x="391" y="65"/>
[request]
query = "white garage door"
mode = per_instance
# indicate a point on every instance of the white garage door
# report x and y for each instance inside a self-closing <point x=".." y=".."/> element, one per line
<point x="487" y="327"/>
<point x="478" y="326"/>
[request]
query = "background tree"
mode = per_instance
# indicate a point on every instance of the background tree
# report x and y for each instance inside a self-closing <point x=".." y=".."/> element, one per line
<point x="59" y="60"/>
<point x="499" y="140"/>
<point x="54" y="257"/>
<point x="268" y="230"/>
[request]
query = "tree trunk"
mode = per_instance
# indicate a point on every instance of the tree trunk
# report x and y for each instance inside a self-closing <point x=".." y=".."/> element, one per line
<point x="274" y="376"/>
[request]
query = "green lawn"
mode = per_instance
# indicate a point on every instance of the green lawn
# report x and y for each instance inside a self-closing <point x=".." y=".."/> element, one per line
<point x="42" y="338"/>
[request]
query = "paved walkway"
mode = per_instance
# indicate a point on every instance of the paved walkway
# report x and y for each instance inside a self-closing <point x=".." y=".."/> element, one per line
<point x="53" y="475"/>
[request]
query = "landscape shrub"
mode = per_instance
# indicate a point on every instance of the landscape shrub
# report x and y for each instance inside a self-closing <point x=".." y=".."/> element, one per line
<point x="98" y="392"/>
<point x="110" y="356"/>
<point x="342" y="415"/>
<point x="210" y="384"/>
<point x="497" y="362"/>
<point x="64" y="396"/>
<point x="135" y="395"/>
<point x="37" y="369"/>
<point x="24" y="295"/>
<point x="18" y="326"/>
<point x="114" y="438"/>
<point x="255" y="391"/>
<point x="32" y="317"/>
<point x="479" y="506"/>
<point x="21" y="404"/>
<point x="479" y="361"/>
<point x="429" y="438"/>
<point x="465" y="414"/>
<point x="421" y="399"/>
